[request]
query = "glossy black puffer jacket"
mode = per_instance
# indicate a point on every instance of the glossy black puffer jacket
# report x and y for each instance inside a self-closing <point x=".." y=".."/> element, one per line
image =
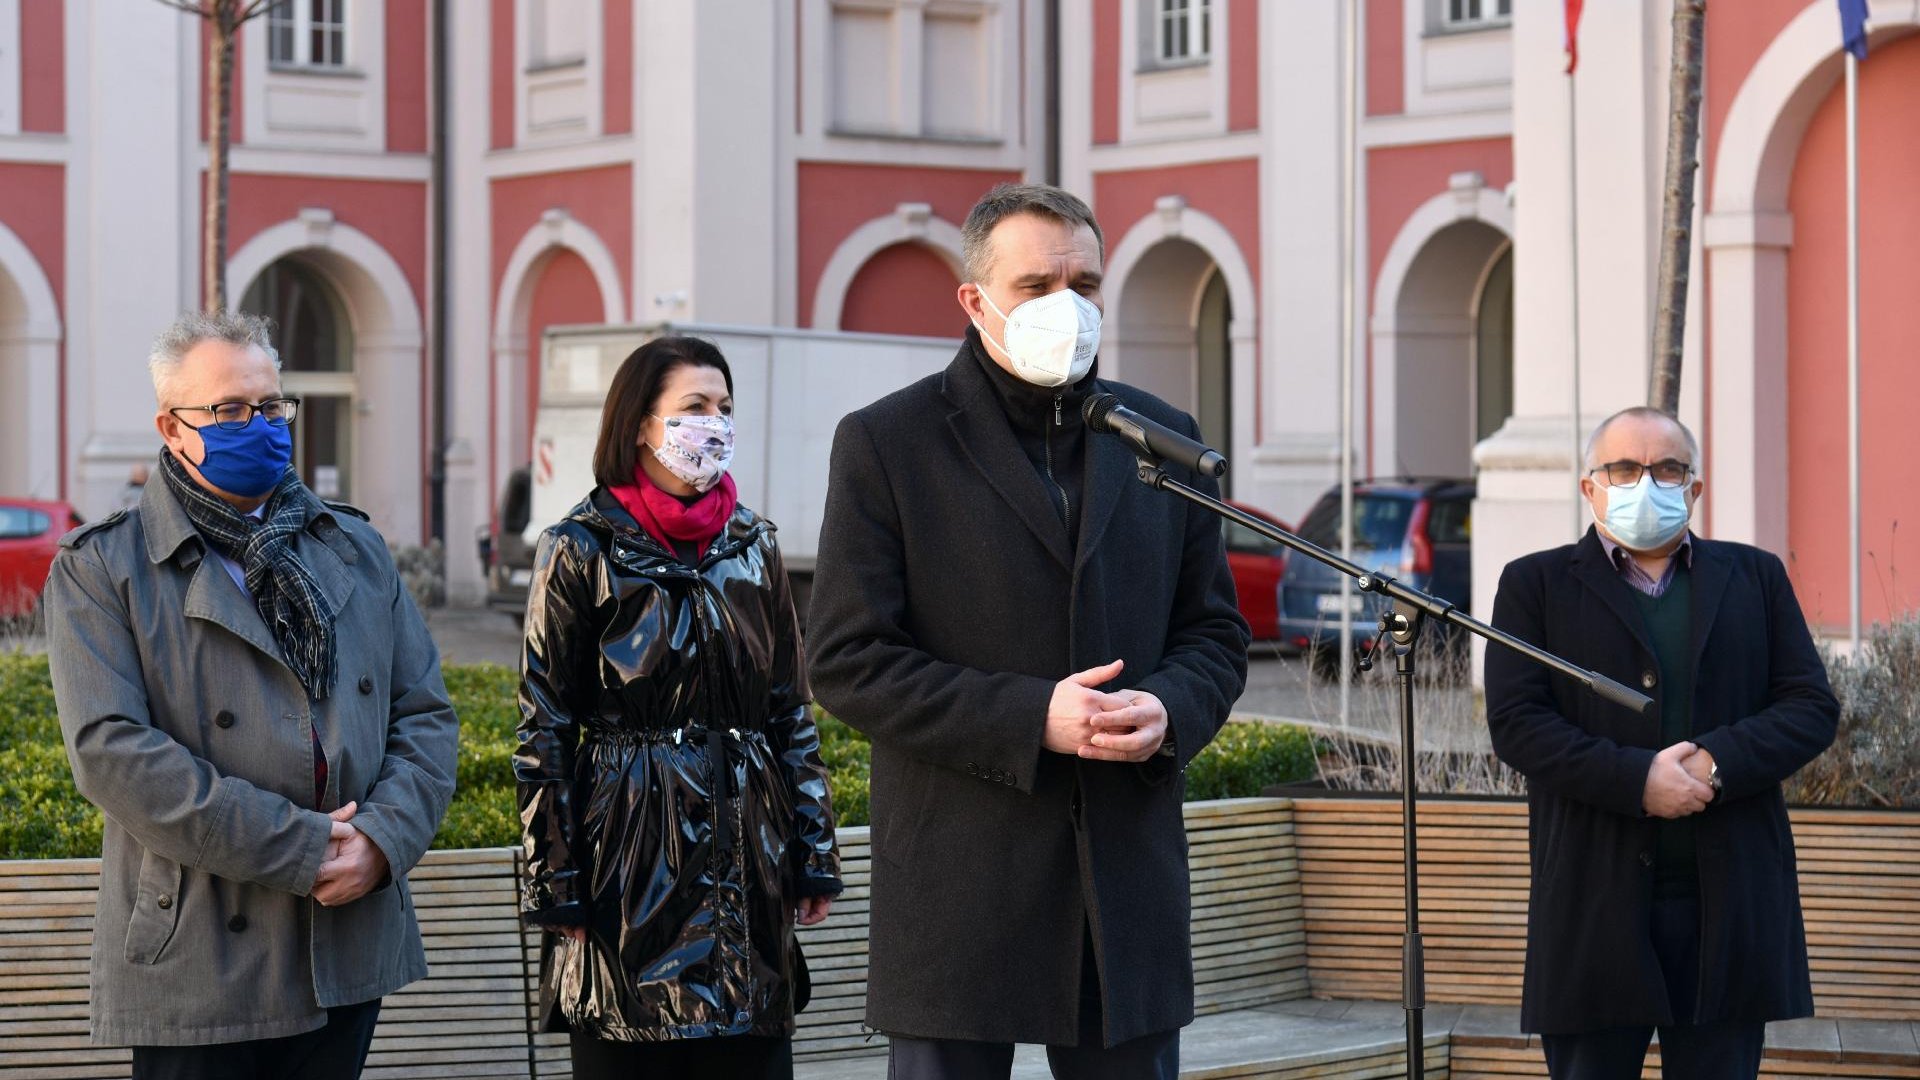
<point x="672" y="796"/>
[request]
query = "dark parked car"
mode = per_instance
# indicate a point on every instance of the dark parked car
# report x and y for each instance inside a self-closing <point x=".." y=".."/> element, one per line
<point x="504" y="551"/>
<point x="30" y="533"/>
<point x="1257" y="564"/>
<point x="1417" y="530"/>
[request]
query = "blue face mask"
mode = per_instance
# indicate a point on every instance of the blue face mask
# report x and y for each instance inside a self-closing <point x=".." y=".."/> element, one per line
<point x="1645" y="516"/>
<point x="247" y="462"/>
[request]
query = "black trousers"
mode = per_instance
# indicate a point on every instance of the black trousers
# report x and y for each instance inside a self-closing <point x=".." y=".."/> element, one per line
<point x="1150" y="1057"/>
<point x="334" y="1052"/>
<point x="725" y="1057"/>
<point x="1728" y="1050"/>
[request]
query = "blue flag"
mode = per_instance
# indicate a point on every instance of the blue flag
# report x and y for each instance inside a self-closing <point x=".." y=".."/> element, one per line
<point x="1853" y="27"/>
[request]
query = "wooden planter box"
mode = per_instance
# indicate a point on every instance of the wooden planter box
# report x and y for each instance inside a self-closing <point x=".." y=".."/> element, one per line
<point x="1293" y="899"/>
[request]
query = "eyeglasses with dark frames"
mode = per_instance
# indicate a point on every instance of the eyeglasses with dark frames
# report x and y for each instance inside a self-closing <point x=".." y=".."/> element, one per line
<point x="1666" y="474"/>
<point x="234" y="415"/>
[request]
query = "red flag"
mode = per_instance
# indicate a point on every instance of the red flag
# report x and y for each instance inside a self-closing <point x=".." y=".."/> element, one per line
<point x="1573" y="34"/>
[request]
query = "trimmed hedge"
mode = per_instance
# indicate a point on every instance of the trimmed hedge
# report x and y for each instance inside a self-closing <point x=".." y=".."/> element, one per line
<point x="43" y="817"/>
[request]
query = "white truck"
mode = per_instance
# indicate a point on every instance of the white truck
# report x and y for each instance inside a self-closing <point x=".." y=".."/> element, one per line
<point x="790" y="389"/>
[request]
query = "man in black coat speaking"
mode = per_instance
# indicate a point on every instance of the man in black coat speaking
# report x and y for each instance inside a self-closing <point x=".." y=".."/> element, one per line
<point x="1664" y="891"/>
<point x="1036" y="644"/>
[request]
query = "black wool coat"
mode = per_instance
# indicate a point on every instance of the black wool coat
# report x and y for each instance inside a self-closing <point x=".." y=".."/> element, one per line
<point x="946" y="605"/>
<point x="1761" y="706"/>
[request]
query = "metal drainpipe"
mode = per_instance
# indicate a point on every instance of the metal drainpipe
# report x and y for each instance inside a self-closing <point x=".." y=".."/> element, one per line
<point x="1053" y="92"/>
<point x="437" y="343"/>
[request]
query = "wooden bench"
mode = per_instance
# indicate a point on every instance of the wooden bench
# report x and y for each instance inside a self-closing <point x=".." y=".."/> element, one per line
<point x="1859" y="884"/>
<point x="1250" y="976"/>
<point x="1291" y="898"/>
<point x="1249" y="943"/>
<point x="467" y="1019"/>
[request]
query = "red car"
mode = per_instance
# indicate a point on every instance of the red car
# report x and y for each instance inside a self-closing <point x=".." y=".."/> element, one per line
<point x="1257" y="564"/>
<point x="30" y="533"/>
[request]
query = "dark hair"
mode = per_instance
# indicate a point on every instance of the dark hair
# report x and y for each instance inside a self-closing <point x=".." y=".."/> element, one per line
<point x="1005" y="201"/>
<point x="636" y="387"/>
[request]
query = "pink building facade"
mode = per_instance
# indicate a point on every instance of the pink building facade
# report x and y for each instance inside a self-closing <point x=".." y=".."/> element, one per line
<point x="808" y="163"/>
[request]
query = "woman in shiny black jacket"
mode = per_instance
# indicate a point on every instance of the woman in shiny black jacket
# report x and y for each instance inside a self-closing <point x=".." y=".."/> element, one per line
<point x="674" y="804"/>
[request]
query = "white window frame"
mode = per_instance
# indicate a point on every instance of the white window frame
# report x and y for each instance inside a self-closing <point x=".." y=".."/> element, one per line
<point x="1474" y="15"/>
<point x="10" y="67"/>
<point x="1197" y="15"/>
<point x="289" y="107"/>
<point x="538" y="58"/>
<point x="300" y="14"/>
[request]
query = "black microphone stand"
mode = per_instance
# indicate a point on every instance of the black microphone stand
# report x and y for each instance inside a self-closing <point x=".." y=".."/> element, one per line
<point x="1401" y="625"/>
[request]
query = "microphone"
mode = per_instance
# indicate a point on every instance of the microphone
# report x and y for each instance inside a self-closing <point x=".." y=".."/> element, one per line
<point x="1104" y="413"/>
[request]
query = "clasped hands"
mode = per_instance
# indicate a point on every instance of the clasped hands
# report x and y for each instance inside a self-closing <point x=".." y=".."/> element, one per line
<point x="1125" y="725"/>
<point x="353" y="866"/>
<point x="1677" y="782"/>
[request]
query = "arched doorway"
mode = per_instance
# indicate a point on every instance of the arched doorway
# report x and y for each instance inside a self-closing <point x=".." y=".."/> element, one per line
<point x="1817" y="506"/>
<point x="30" y="444"/>
<point x="315" y="341"/>
<point x="1493" y="348"/>
<point x="1443" y="360"/>
<point x="905" y="288"/>
<point x="1171" y="336"/>
<point x="351" y="345"/>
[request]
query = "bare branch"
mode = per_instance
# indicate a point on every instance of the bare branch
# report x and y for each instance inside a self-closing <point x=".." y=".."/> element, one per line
<point x="257" y="8"/>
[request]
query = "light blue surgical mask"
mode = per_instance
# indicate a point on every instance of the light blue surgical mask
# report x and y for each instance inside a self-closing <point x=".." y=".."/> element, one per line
<point x="1644" y="516"/>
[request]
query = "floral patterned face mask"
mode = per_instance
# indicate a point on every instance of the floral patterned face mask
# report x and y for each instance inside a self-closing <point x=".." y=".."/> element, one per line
<point x="696" y="448"/>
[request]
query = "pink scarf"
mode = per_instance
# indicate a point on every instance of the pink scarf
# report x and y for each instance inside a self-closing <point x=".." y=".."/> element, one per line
<point x="667" y="519"/>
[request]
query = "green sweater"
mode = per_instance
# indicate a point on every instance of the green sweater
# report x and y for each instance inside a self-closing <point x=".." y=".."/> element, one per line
<point x="1670" y="627"/>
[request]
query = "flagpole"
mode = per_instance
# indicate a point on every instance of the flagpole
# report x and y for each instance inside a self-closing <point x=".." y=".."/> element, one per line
<point x="1348" y="215"/>
<point x="1853" y="347"/>
<point x="1573" y="229"/>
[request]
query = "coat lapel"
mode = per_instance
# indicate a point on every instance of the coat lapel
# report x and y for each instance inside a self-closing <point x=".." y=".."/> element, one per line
<point x="1711" y="572"/>
<point x="986" y="440"/>
<point x="1111" y="470"/>
<point x="1592" y="567"/>
<point x="217" y="598"/>
<point x="325" y="563"/>
<point x="214" y="596"/>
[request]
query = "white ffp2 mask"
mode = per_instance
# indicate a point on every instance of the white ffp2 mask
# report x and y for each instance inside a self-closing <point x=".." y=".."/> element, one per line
<point x="1051" y="339"/>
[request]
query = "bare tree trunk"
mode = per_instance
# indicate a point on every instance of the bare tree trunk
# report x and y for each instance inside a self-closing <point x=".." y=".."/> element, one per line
<point x="223" y="25"/>
<point x="1676" y="218"/>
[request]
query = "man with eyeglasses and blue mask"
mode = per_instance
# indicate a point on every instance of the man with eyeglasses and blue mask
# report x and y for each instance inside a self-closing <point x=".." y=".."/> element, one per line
<point x="1664" y="895"/>
<point x="250" y="697"/>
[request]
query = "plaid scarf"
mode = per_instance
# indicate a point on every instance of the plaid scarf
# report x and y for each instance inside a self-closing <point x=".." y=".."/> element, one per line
<point x="284" y="590"/>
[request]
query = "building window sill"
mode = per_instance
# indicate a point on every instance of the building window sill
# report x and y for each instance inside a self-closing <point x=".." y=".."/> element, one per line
<point x="565" y="63"/>
<point x="910" y="137"/>
<point x="324" y="71"/>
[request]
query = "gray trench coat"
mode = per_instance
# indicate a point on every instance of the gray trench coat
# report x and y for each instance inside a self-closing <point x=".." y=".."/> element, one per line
<point x="195" y="739"/>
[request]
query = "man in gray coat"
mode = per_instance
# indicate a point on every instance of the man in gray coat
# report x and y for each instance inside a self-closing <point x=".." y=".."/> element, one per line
<point x="251" y="699"/>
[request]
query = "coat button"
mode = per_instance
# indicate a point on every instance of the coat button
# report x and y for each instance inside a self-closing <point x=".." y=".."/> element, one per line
<point x="165" y="902"/>
<point x="223" y="719"/>
<point x="366" y="684"/>
<point x="1646" y="680"/>
<point x="972" y="769"/>
<point x="237" y="923"/>
<point x="1646" y="858"/>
